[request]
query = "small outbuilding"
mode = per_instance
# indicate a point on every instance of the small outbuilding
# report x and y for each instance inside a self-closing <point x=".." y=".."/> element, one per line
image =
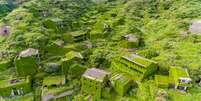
<point x="93" y="82"/>
<point x="79" y="36"/>
<point x="178" y="79"/>
<point x="130" y="41"/>
<point x="72" y="64"/>
<point x="26" y="62"/>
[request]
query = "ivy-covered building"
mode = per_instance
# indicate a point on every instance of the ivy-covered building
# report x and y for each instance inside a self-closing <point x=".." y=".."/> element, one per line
<point x="15" y="87"/>
<point x="72" y="64"/>
<point x="121" y="83"/>
<point x="179" y="78"/>
<point x="5" y="64"/>
<point x="54" y="81"/>
<point x="56" y="48"/>
<point x="134" y="66"/>
<point x="93" y="83"/>
<point x="162" y="81"/>
<point x="79" y="36"/>
<point x="59" y="48"/>
<point x="55" y="24"/>
<point x="26" y="62"/>
<point x="130" y="41"/>
<point x="54" y="89"/>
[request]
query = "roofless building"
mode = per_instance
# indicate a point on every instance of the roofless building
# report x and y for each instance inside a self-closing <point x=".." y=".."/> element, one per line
<point x="134" y="66"/>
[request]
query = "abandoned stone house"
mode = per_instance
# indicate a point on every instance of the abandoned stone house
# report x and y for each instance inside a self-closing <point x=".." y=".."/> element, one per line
<point x="135" y="66"/>
<point x="54" y="89"/>
<point x="26" y="62"/>
<point x="93" y="83"/>
<point x="15" y="87"/>
<point x="72" y="65"/>
<point x="121" y="84"/>
<point x="178" y="79"/>
<point x="79" y="36"/>
<point x="130" y="41"/>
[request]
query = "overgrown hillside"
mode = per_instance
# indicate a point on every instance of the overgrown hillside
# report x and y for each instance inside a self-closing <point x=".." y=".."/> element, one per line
<point x="161" y="26"/>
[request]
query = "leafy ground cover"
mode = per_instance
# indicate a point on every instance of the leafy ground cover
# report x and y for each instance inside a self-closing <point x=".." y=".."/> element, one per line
<point x="162" y="27"/>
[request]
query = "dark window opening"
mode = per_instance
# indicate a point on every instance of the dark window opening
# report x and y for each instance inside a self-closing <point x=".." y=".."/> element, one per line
<point x="113" y="15"/>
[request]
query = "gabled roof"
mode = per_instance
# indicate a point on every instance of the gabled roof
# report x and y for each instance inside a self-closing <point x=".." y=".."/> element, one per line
<point x="72" y="54"/>
<point x="29" y="52"/>
<point x="59" y="43"/>
<point x="95" y="74"/>
<point x="77" y="33"/>
<point x="131" y="38"/>
<point x="54" y="19"/>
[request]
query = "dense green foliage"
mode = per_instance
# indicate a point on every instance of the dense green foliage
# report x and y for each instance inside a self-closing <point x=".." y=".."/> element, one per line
<point x="161" y="25"/>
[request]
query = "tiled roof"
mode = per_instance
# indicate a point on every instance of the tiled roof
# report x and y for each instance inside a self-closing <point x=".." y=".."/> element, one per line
<point x="29" y="52"/>
<point x="131" y="38"/>
<point x="196" y="27"/>
<point x="73" y="54"/>
<point x="96" y="74"/>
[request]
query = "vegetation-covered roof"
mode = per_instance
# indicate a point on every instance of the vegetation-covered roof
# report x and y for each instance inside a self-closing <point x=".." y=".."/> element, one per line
<point x="72" y="54"/>
<point x="121" y="79"/>
<point x="77" y="33"/>
<point x="162" y="80"/>
<point x="13" y="82"/>
<point x="179" y="72"/>
<point x="141" y="61"/>
<point x="54" y="80"/>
